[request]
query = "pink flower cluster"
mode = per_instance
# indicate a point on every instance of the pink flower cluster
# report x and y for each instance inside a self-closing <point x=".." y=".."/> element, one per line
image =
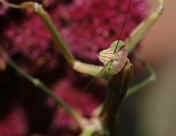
<point x="77" y="98"/>
<point x="87" y="26"/>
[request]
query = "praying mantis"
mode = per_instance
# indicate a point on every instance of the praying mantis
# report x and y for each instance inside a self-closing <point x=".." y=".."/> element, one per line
<point x="117" y="70"/>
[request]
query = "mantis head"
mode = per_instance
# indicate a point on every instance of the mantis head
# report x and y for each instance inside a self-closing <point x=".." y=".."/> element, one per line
<point x="115" y="57"/>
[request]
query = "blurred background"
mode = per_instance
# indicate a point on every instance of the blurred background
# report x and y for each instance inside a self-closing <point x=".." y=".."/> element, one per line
<point x="154" y="108"/>
<point x="150" y="112"/>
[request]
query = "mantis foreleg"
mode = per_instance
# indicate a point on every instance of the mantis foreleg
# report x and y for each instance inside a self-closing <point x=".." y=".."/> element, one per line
<point x="143" y="27"/>
<point x="143" y="83"/>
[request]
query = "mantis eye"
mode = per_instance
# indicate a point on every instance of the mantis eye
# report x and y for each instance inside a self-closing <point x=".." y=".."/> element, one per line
<point x="114" y="61"/>
<point x="117" y="45"/>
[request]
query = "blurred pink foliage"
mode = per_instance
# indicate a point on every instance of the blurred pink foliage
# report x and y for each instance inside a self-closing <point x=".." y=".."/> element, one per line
<point x="80" y="101"/>
<point x="14" y="124"/>
<point x="87" y="26"/>
<point x="3" y="9"/>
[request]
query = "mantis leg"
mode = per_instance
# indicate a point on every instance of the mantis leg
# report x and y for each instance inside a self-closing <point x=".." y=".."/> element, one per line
<point x="143" y="83"/>
<point x="79" y="66"/>
<point x="37" y="8"/>
<point x="143" y="27"/>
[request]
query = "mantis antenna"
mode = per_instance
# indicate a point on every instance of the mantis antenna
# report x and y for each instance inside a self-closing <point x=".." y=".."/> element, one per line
<point x="116" y="45"/>
<point x="123" y="25"/>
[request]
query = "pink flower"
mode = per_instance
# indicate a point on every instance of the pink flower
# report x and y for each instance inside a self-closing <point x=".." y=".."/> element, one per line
<point x="87" y="26"/>
<point x="84" y="103"/>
